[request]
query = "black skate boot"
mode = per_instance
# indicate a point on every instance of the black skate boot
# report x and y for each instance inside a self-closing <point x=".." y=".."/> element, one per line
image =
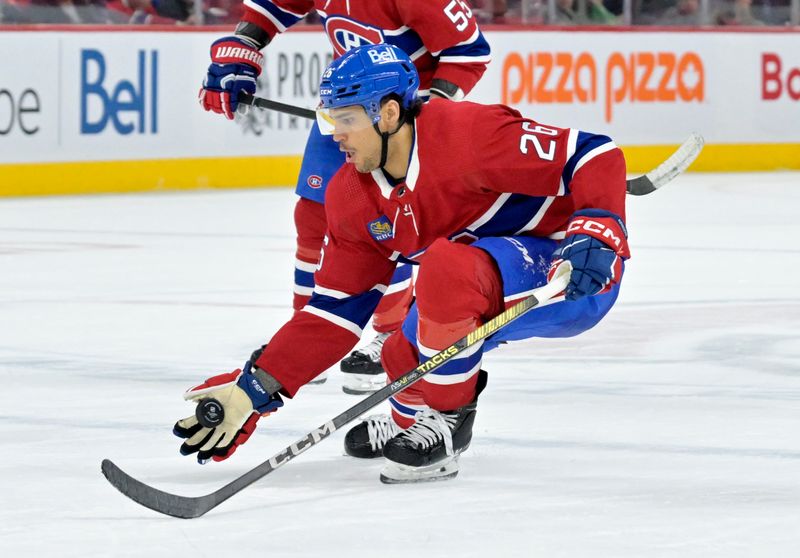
<point x="366" y="440"/>
<point x="429" y="449"/>
<point x="362" y="370"/>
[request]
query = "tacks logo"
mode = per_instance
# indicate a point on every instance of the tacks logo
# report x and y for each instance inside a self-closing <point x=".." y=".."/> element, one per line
<point x="637" y="77"/>
<point x="773" y="82"/>
<point x="346" y="34"/>
<point x="135" y="99"/>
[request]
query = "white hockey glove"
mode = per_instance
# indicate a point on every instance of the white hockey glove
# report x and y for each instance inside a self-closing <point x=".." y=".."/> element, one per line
<point x="228" y="408"/>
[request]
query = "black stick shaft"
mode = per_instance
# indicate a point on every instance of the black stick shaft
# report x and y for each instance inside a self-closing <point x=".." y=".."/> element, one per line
<point x="269" y="104"/>
<point x="187" y="507"/>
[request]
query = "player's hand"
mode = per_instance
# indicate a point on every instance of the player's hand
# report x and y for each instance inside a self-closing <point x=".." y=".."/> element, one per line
<point x="235" y="65"/>
<point x="595" y="245"/>
<point x="229" y="406"/>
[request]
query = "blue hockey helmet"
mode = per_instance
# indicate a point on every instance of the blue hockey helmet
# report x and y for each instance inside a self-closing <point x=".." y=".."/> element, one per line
<point x="364" y="76"/>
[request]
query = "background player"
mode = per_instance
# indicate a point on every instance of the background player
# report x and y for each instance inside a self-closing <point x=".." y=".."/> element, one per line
<point x="450" y="54"/>
<point x="486" y="201"/>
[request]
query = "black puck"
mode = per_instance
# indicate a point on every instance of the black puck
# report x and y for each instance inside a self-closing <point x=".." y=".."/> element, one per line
<point x="210" y="413"/>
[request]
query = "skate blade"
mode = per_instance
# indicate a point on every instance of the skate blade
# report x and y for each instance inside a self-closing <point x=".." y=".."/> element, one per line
<point x="395" y="473"/>
<point x="321" y="379"/>
<point x="361" y="384"/>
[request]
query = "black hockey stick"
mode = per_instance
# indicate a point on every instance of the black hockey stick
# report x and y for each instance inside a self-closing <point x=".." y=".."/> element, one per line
<point x="268" y="104"/>
<point x="188" y="507"/>
<point x="639" y="186"/>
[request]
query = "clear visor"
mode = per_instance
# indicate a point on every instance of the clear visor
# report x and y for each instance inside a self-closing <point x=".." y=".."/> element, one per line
<point x="342" y="120"/>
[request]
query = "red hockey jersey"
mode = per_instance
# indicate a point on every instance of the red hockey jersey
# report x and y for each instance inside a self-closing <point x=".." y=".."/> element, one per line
<point x="475" y="171"/>
<point x="440" y="36"/>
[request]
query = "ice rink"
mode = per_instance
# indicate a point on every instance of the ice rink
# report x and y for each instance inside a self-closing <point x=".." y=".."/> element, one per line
<point x="671" y="429"/>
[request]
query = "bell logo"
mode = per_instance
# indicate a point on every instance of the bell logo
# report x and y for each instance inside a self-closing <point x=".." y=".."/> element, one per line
<point x="773" y="84"/>
<point x="135" y="100"/>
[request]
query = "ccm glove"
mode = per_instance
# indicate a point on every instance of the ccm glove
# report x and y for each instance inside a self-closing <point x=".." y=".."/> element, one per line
<point x="242" y="399"/>
<point x="596" y="245"/>
<point x="235" y="65"/>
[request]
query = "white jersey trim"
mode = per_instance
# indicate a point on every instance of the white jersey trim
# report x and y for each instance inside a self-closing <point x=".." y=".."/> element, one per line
<point x="305" y="266"/>
<point x="597" y="151"/>
<point x="419" y="52"/>
<point x="383" y="184"/>
<point x="397" y="287"/>
<point x="334" y="319"/>
<point x="413" y="166"/>
<point x="530" y="225"/>
<point x="483" y="219"/>
<point x="472" y="39"/>
<point x="339" y="295"/>
<point x="398" y="31"/>
<point x="461" y="59"/>
<point x="263" y="11"/>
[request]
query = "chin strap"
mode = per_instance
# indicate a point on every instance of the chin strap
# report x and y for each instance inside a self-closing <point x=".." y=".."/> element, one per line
<point x="385" y="141"/>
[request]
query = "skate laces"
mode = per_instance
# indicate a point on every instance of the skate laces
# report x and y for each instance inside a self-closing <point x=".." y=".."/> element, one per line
<point x="379" y="429"/>
<point x="373" y="350"/>
<point x="430" y="427"/>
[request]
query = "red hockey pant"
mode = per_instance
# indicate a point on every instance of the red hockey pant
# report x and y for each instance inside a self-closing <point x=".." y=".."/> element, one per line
<point x="458" y="288"/>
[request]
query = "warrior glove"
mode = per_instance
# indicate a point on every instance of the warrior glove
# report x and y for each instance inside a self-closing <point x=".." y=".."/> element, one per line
<point x="235" y="65"/>
<point x="228" y="406"/>
<point x="596" y="244"/>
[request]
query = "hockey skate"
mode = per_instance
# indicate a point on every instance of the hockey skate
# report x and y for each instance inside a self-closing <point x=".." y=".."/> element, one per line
<point x="429" y="449"/>
<point x="321" y="379"/>
<point x="366" y="439"/>
<point x="362" y="370"/>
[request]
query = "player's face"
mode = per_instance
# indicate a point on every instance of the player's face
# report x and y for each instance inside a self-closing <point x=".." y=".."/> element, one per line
<point x="353" y="131"/>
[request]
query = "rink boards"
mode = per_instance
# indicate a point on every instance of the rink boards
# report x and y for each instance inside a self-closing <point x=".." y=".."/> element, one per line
<point x="115" y="111"/>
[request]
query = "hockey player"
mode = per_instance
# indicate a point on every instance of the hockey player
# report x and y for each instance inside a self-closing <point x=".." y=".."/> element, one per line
<point x="485" y="201"/>
<point x="450" y="53"/>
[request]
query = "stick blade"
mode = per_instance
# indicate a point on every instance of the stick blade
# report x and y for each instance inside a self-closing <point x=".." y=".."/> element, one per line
<point x="155" y="499"/>
<point x="678" y="162"/>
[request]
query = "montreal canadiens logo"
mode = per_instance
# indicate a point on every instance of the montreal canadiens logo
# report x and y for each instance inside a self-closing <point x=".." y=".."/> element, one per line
<point x="346" y="34"/>
<point x="314" y="181"/>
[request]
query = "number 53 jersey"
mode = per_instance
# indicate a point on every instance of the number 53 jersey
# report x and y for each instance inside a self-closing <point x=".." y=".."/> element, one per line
<point x="441" y="37"/>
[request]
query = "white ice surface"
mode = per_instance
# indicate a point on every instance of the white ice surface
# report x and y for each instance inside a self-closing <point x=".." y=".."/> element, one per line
<point x="671" y="429"/>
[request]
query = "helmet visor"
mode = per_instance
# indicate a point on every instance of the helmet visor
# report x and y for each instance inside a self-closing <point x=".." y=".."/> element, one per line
<point x="342" y="120"/>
